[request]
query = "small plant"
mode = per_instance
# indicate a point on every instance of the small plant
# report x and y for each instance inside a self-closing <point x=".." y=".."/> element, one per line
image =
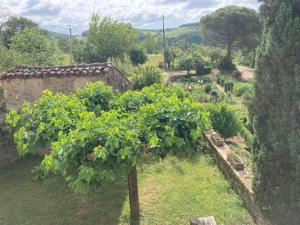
<point x="208" y="88"/>
<point x="228" y="86"/>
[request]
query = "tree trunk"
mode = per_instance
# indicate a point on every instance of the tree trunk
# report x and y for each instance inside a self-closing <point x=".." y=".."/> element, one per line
<point x="254" y="58"/>
<point x="229" y="49"/>
<point x="133" y="193"/>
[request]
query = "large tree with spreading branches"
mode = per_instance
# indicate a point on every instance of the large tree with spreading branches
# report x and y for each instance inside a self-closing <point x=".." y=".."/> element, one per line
<point x="231" y="24"/>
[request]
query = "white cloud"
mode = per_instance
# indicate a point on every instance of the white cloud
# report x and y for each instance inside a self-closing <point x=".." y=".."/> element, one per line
<point x="57" y="15"/>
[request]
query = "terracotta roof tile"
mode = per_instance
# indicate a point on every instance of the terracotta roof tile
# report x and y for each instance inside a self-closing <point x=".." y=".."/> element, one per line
<point x="25" y="72"/>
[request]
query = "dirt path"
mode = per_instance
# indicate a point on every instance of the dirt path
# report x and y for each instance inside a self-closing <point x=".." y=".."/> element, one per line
<point x="247" y="73"/>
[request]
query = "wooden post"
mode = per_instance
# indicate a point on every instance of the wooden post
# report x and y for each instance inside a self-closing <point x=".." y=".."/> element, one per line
<point x="133" y="193"/>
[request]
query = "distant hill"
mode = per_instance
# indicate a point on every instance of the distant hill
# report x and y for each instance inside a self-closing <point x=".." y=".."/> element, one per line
<point x="57" y="35"/>
<point x="192" y="30"/>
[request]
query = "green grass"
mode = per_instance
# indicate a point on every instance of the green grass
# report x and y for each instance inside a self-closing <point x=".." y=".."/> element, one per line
<point x="154" y="60"/>
<point x="171" y="192"/>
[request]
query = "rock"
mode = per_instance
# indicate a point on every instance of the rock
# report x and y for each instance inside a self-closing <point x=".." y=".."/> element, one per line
<point x="203" y="221"/>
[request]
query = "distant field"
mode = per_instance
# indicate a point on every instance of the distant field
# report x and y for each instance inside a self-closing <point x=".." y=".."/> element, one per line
<point x="171" y="192"/>
<point x="154" y="60"/>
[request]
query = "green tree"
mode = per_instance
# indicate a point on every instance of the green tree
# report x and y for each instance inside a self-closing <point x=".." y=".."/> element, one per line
<point x="9" y="59"/>
<point x="108" y="39"/>
<point x="12" y="26"/>
<point x="186" y="62"/>
<point x="276" y="111"/>
<point x="137" y="56"/>
<point x="153" y="43"/>
<point x="232" y="23"/>
<point x="88" y="150"/>
<point x="35" y="48"/>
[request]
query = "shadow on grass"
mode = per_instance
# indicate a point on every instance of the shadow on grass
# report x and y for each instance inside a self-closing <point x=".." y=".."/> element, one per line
<point x="24" y="200"/>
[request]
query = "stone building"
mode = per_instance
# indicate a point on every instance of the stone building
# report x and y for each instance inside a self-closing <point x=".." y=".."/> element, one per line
<point x="26" y="83"/>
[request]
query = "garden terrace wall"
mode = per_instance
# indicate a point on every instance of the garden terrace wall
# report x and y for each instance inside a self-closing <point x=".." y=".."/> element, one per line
<point x="27" y="83"/>
<point x="241" y="180"/>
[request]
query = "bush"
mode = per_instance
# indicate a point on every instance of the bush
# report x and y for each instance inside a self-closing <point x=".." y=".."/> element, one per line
<point x="186" y="62"/>
<point x="146" y="76"/>
<point x="208" y="88"/>
<point x="226" y="64"/>
<point x="228" y="86"/>
<point x="97" y="97"/>
<point x="201" y="65"/>
<point x="224" y="120"/>
<point x="137" y="56"/>
<point x="241" y="88"/>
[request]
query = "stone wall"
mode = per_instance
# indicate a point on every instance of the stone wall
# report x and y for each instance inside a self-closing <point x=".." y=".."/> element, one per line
<point x="241" y="181"/>
<point x="18" y="90"/>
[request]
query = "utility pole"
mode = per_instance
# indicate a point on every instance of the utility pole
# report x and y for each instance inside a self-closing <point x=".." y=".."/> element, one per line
<point x="186" y="41"/>
<point x="164" y="41"/>
<point x="71" y="49"/>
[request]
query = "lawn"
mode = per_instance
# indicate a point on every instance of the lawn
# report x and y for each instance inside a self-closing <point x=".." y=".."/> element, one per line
<point x="171" y="192"/>
<point x="154" y="60"/>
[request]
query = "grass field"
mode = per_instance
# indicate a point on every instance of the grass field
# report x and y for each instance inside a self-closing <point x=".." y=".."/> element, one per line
<point x="171" y="192"/>
<point x="154" y="60"/>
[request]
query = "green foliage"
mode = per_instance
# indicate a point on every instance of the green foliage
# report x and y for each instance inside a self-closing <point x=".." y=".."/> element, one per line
<point x="107" y="39"/>
<point x="41" y="123"/>
<point x="146" y="76"/>
<point x="11" y="27"/>
<point x="137" y="56"/>
<point x="88" y="150"/>
<point x="97" y="97"/>
<point x="226" y="64"/>
<point x="152" y="43"/>
<point x="201" y="65"/>
<point x="35" y="48"/>
<point x="228" y="86"/>
<point x="241" y="88"/>
<point x="208" y="88"/>
<point x="275" y="110"/>
<point x="232" y="24"/>
<point x="9" y="59"/>
<point x="186" y="62"/>
<point x="224" y="120"/>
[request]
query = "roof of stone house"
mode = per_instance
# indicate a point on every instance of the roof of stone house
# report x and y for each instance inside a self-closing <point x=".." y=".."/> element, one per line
<point x="25" y="72"/>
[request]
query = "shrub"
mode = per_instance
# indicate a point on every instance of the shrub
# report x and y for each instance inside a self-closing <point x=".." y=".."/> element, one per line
<point x="226" y="64"/>
<point x="97" y="97"/>
<point x="186" y="62"/>
<point x="241" y="88"/>
<point x="137" y="56"/>
<point x="224" y="120"/>
<point x="208" y="88"/>
<point x="146" y="76"/>
<point x="201" y="65"/>
<point x="228" y="86"/>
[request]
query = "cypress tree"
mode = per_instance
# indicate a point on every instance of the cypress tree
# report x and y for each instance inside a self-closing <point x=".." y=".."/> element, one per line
<point x="276" y="113"/>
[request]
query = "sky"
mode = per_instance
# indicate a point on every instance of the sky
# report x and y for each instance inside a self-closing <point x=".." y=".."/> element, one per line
<point x="58" y="15"/>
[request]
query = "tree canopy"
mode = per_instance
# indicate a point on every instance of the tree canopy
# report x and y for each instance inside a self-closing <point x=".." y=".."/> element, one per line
<point x="232" y="24"/>
<point x="275" y="111"/>
<point x="35" y="48"/>
<point x="106" y="39"/>
<point x="12" y="26"/>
